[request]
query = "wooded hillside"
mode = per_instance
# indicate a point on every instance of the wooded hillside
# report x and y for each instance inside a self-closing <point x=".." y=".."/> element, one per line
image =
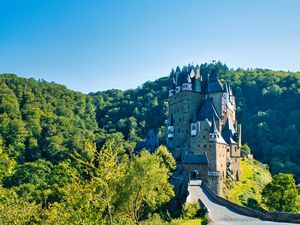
<point x="268" y="107"/>
<point x="63" y="153"/>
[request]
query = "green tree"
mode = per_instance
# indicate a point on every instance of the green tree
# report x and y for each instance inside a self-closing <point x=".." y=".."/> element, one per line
<point x="282" y="194"/>
<point x="145" y="186"/>
<point x="166" y="156"/>
<point x="246" y="148"/>
<point x="17" y="211"/>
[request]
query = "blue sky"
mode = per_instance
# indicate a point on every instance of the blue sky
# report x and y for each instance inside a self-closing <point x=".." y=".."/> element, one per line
<point x="97" y="45"/>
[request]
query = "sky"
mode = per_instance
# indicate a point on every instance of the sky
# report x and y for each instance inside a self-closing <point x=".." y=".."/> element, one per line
<point x="94" y="45"/>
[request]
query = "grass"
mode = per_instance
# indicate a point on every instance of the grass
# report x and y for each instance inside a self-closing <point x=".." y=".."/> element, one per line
<point x="185" y="222"/>
<point x="247" y="191"/>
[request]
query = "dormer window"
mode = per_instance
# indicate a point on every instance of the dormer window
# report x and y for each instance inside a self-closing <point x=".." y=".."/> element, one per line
<point x="171" y="92"/>
<point x="187" y="87"/>
<point x="193" y="129"/>
<point x="212" y="137"/>
<point x="170" y="132"/>
<point x="178" y="89"/>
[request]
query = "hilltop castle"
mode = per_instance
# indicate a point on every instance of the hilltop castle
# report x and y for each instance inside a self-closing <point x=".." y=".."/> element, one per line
<point x="202" y="131"/>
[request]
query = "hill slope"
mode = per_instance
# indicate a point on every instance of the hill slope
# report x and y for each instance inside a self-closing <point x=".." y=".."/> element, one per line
<point x="267" y="107"/>
<point x="247" y="191"/>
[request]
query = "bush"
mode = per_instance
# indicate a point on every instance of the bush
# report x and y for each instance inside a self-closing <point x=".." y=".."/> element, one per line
<point x="190" y="211"/>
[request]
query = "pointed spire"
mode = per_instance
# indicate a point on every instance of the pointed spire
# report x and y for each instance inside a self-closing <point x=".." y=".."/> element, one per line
<point x="214" y="134"/>
<point x="213" y="128"/>
<point x="189" y="79"/>
<point x="198" y="75"/>
<point x="226" y="88"/>
<point x="228" y="131"/>
<point x="208" y="111"/>
<point x="192" y="74"/>
<point x="198" y="80"/>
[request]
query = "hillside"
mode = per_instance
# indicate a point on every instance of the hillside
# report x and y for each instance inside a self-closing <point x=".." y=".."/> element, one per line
<point x="267" y="107"/>
<point x="61" y="151"/>
<point x="247" y="191"/>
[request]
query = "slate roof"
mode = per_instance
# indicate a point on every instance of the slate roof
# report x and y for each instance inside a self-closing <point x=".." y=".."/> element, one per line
<point x="195" y="159"/>
<point x="214" y="130"/>
<point x="194" y="119"/>
<point x="228" y="132"/>
<point x="207" y="111"/>
<point x="214" y="84"/>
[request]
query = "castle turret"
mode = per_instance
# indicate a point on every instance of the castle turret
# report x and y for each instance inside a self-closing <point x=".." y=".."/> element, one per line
<point x="198" y="81"/>
<point x="187" y="83"/>
<point x="198" y="110"/>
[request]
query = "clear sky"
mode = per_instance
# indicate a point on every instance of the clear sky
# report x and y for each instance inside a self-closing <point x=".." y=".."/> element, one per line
<point x="97" y="45"/>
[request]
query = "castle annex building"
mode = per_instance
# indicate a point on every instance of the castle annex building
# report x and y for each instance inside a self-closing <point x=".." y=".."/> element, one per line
<point x="202" y="131"/>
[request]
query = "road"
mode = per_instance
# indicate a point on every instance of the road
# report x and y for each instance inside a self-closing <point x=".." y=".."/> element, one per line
<point x="220" y="214"/>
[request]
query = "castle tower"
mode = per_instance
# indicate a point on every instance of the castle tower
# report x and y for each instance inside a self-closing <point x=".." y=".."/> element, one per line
<point x="202" y="125"/>
<point x="182" y="106"/>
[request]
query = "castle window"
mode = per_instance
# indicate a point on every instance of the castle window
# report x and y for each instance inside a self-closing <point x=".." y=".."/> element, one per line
<point x="204" y="146"/>
<point x="178" y="130"/>
<point x="179" y="119"/>
<point x="235" y="160"/>
<point x="198" y="145"/>
<point x="227" y="149"/>
<point x="203" y="136"/>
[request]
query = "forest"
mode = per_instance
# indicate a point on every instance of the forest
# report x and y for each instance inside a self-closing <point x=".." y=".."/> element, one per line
<point x="64" y="153"/>
<point x="267" y="107"/>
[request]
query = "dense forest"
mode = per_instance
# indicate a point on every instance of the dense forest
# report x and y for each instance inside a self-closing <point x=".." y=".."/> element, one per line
<point x="64" y="153"/>
<point x="268" y="107"/>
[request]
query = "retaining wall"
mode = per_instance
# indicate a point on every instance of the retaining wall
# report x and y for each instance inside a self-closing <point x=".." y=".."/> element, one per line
<point x="272" y="216"/>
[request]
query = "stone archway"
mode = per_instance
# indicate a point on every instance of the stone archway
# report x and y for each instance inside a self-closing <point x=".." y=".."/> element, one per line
<point x="194" y="174"/>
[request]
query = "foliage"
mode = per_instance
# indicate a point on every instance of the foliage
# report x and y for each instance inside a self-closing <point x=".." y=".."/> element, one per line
<point x="166" y="156"/>
<point x="246" y="148"/>
<point x="253" y="178"/>
<point x="282" y="194"/>
<point x="15" y="210"/>
<point x="190" y="211"/>
<point x="267" y="107"/>
<point x="145" y="186"/>
<point x="186" y="222"/>
<point x="68" y="158"/>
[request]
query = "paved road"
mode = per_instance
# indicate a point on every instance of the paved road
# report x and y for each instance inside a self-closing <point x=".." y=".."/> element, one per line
<point x="220" y="214"/>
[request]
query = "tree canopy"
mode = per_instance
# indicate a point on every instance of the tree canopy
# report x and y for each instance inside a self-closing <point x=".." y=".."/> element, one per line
<point x="69" y="157"/>
<point x="282" y="194"/>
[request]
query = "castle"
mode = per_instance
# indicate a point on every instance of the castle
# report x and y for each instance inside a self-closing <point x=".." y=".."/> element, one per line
<point x="202" y="131"/>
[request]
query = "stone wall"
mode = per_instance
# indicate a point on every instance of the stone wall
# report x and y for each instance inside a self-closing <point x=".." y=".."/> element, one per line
<point x="201" y="169"/>
<point x="182" y="107"/>
<point x="272" y="216"/>
<point x="215" y="182"/>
